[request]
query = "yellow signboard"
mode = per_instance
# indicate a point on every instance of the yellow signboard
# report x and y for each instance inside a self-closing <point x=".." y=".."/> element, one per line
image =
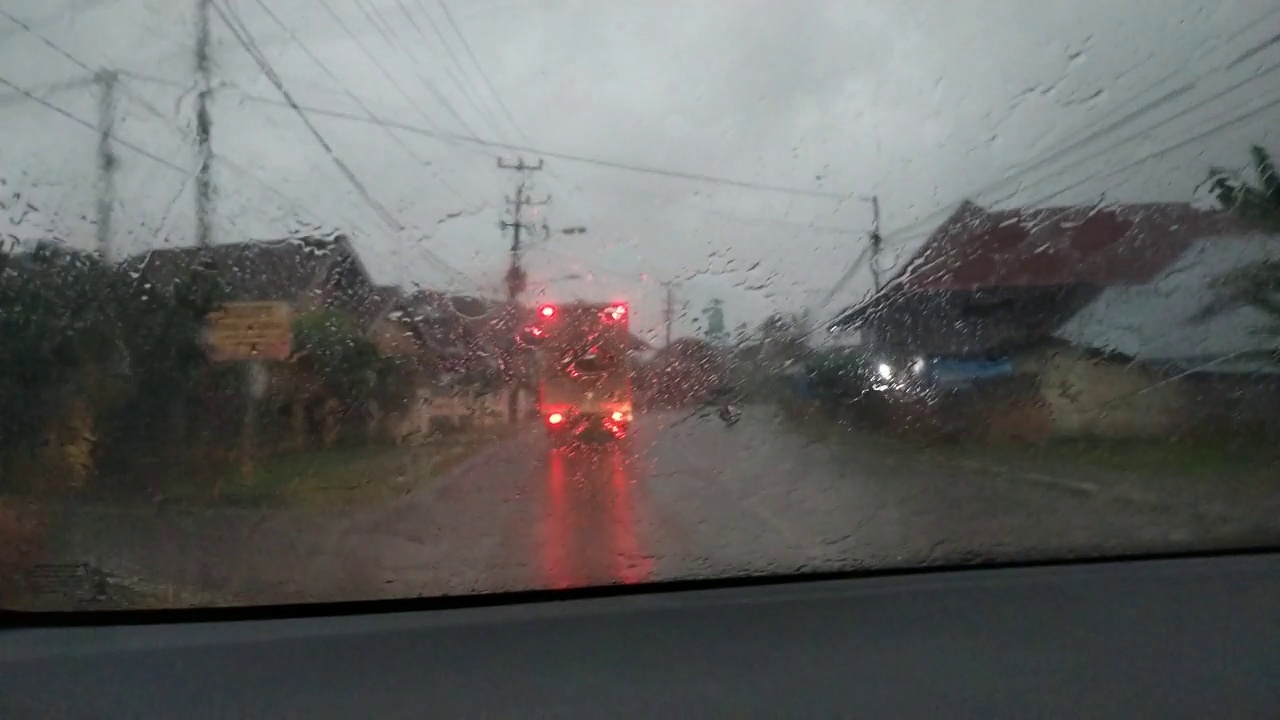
<point x="250" y="331"/>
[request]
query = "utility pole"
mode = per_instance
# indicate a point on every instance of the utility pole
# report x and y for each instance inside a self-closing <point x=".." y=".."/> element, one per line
<point x="669" y="310"/>
<point x="516" y="276"/>
<point x="204" y="126"/>
<point x="106" y="80"/>
<point x="876" y="241"/>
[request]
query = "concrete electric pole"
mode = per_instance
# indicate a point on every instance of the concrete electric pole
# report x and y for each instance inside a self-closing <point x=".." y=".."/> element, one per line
<point x="106" y="80"/>
<point x="516" y="277"/>
<point x="669" y="310"/>
<point x="204" y="127"/>
<point x="876" y="242"/>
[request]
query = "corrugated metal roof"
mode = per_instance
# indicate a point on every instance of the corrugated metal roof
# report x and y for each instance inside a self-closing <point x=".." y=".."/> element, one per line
<point x="1165" y="320"/>
<point x="257" y="270"/>
<point x="1101" y="246"/>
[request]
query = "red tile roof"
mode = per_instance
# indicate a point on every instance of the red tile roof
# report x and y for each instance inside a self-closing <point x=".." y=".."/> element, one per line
<point x="1102" y="246"/>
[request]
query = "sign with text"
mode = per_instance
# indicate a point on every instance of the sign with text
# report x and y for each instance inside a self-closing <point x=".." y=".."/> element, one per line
<point x="250" y="331"/>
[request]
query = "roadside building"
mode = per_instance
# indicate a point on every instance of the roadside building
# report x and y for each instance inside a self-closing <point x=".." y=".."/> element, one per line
<point x="1105" y="319"/>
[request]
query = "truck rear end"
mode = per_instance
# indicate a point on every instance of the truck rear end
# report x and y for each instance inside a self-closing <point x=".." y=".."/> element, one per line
<point x="584" y="387"/>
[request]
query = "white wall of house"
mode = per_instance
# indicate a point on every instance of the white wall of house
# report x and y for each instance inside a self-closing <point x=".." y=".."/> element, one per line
<point x="429" y="409"/>
<point x="1091" y="397"/>
<point x="1157" y="322"/>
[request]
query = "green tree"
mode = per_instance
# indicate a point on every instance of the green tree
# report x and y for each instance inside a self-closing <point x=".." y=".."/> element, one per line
<point x="59" y="340"/>
<point x="341" y="359"/>
<point x="87" y="349"/>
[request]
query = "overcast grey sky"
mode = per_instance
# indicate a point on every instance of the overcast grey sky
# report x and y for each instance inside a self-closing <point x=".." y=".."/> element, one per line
<point x="921" y="103"/>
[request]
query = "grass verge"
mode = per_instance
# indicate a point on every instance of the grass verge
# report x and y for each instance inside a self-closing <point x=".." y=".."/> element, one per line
<point x="1202" y="469"/>
<point x="335" y="477"/>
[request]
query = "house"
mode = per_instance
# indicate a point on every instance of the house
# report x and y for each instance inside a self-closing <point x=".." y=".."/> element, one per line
<point x="994" y="282"/>
<point x="1180" y="318"/>
<point x="307" y="272"/>
<point x="1212" y="363"/>
<point x="1103" y="307"/>
<point x="384" y="316"/>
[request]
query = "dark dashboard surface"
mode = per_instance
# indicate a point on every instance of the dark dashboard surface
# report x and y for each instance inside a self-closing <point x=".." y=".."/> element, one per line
<point x="1156" y="638"/>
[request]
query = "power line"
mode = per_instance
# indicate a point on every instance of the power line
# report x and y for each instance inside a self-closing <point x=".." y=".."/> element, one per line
<point x="377" y="64"/>
<point x="337" y="81"/>
<point x="568" y="157"/>
<point x="60" y="50"/>
<point x="448" y="137"/>
<point x="46" y="41"/>
<point x="1107" y="128"/>
<point x="493" y="144"/>
<point x="425" y="82"/>
<point x="225" y="160"/>
<point x="84" y="123"/>
<point x="246" y="41"/>
<point x="1100" y="153"/>
<point x="1141" y="133"/>
<point x="1255" y="49"/>
<point x="471" y="98"/>
<point x="245" y="38"/>
<point x="60" y="15"/>
<point x="153" y="111"/>
<point x="368" y="16"/>
<point x="848" y="275"/>
<point x="1229" y="122"/>
<point x="393" y="38"/>
<point x="483" y="75"/>
<point x="156" y="112"/>
<point x="404" y="10"/>
<point x="76" y="83"/>
<point x="483" y="112"/>
<point x="1168" y="149"/>
<point x="355" y="98"/>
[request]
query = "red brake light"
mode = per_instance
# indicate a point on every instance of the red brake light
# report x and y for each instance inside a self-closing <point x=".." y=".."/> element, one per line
<point x="555" y="419"/>
<point x="615" y="312"/>
<point x="547" y="311"/>
<point x="617" y="416"/>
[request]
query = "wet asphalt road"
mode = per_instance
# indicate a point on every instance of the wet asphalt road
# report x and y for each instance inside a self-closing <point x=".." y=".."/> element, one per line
<point x="679" y="499"/>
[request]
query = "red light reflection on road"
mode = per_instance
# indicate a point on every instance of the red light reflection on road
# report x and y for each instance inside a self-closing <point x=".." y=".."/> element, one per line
<point x="589" y="535"/>
<point x="555" y="544"/>
<point x="632" y="566"/>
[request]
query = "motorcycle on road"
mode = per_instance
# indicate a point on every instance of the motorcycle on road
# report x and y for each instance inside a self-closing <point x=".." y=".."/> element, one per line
<point x="730" y="414"/>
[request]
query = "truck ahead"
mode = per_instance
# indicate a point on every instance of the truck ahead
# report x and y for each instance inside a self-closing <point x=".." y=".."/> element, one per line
<point x="584" y="370"/>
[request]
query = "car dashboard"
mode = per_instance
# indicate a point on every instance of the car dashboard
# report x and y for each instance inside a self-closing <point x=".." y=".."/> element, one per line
<point x="1182" y="637"/>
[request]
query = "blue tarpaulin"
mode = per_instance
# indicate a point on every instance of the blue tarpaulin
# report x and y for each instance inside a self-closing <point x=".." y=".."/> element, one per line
<point x="949" y="369"/>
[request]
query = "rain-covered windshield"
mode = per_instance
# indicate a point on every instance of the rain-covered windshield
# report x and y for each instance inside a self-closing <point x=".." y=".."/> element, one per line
<point x="284" y="286"/>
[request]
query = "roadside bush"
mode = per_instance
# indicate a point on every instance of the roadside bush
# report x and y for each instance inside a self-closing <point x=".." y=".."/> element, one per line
<point x="346" y="381"/>
<point x="105" y="386"/>
<point x="90" y="359"/>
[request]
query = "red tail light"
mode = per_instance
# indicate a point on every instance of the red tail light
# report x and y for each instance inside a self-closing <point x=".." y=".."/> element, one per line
<point x="615" y="312"/>
<point x="555" y="419"/>
<point x="617" y="416"/>
<point x="547" y="311"/>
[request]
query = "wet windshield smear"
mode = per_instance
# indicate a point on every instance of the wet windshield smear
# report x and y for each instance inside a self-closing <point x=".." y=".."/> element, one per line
<point x="307" y="302"/>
